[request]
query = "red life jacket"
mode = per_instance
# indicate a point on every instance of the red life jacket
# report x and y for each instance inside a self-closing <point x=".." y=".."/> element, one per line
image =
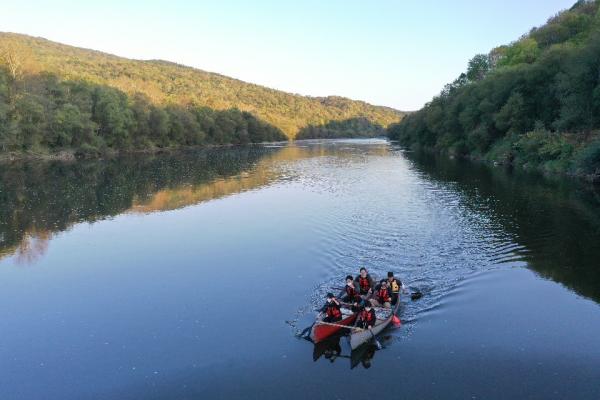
<point x="364" y="283"/>
<point x="350" y="291"/>
<point x="383" y="296"/>
<point x="333" y="310"/>
<point x="368" y="317"/>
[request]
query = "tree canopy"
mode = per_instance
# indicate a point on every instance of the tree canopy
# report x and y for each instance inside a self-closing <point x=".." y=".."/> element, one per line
<point x="535" y="102"/>
<point x="54" y="96"/>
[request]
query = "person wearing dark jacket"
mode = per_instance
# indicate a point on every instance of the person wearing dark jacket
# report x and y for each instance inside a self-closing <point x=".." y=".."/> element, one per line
<point x="364" y="283"/>
<point x="350" y="292"/>
<point x="396" y="287"/>
<point x="382" y="296"/>
<point x="332" y="309"/>
<point x="366" y="318"/>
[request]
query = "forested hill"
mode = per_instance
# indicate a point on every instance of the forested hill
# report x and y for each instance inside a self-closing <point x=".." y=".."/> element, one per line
<point x="533" y="103"/>
<point x="53" y="95"/>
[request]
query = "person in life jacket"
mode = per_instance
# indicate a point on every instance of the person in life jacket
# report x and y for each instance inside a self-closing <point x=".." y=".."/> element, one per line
<point x="332" y="309"/>
<point x="364" y="283"/>
<point x="383" y="296"/>
<point x="366" y="318"/>
<point x="351" y="294"/>
<point x="396" y="287"/>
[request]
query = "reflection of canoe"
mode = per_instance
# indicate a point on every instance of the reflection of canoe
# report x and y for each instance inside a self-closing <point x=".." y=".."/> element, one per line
<point x="364" y="355"/>
<point x="321" y="330"/>
<point x="359" y="336"/>
<point x="331" y="346"/>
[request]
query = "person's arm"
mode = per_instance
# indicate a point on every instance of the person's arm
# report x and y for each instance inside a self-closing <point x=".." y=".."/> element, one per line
<point x="404" y="288"/>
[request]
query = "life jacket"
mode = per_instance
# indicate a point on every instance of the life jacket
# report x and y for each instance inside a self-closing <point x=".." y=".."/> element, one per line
<point x="364" y="284"/>
<point x="368" y="317"/>
<point x="383" y="295"/>
<point x="333" y="310"/>
<point x="350" y="291"/>
<point x="395" y="286"/>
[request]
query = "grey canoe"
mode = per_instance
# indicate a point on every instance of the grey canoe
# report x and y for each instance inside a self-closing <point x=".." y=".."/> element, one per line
<point x="358" y="337"/>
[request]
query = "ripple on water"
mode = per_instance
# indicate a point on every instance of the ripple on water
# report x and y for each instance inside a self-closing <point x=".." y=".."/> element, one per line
<point x="378" y="212"/>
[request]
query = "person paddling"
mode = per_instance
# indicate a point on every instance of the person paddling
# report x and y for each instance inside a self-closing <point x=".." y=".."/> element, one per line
<point x="383" y="297"/>
<point x="351" y="295"/>
<point x="365" y="283"/>
<point x="366" y="318"/>
<point x="396" y="286"/>
<point x="332" y="309"/>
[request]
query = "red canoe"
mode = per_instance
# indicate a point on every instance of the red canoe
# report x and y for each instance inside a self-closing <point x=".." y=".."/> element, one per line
<point x="321" y="331"/>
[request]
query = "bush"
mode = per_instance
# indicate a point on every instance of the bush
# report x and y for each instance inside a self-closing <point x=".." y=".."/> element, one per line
<point x="548" y="150"/>
<point x="587" y="161"/>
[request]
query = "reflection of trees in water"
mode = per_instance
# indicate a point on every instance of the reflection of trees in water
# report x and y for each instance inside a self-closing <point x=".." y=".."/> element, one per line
<point x="557" y="220"/>
<point x="40" y="198"/>
<point x="32" y="247"/>
<point x="37" y="199"/>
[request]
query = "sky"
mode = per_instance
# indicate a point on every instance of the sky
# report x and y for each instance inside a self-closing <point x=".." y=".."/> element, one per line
<point x="394" y="53"/>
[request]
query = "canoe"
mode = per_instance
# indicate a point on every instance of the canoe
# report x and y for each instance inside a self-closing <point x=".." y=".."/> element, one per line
<point x="359" y="337"/>
<point x="321" y="331"/>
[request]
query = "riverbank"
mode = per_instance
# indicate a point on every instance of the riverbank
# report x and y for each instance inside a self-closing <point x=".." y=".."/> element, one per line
<point x="550" y="154"/>
<point x="69" y="155"/>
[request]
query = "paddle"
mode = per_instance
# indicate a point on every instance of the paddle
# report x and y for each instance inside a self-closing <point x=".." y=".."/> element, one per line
<point x="305" y="334"/>
<point x="416" y="295"/>
<point x="379" y="346"/>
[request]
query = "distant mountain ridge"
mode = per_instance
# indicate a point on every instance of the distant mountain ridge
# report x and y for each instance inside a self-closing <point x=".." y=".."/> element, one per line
<point x="166" y="83"/>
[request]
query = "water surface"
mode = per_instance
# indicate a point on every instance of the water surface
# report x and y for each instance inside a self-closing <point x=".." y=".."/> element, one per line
<point x="187" y="276"/>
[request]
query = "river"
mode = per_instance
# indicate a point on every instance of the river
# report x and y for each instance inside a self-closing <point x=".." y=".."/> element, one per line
<point x="188" y="276"/>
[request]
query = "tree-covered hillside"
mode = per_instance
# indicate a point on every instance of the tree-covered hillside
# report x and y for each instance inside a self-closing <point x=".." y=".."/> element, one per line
<point x="354" y="127"/>
<point x="534" y="102"/>
<point x="55" y="96"/>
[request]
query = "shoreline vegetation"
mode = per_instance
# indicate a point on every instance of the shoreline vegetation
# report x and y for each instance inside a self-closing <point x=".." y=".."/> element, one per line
<point x="533" y="104"/>
<point x="68" y="155"/>
<point x="59" y="101"/>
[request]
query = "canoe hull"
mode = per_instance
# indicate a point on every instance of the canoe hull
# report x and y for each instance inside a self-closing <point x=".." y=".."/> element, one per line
<point x="360" y="337"/>
<point x="320" y="332"/>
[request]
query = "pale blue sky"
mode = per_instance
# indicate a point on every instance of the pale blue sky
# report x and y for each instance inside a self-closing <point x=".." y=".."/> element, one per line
<point x="395" y="53"/>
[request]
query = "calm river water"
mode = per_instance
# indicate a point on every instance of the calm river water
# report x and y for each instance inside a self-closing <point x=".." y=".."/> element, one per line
<point x="188" y="276"/>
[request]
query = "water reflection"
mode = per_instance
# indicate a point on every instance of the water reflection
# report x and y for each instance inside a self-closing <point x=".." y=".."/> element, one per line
<point x="555" y="221"/>
<point x="335" y="349"/>
<point x="40" y="199"/>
